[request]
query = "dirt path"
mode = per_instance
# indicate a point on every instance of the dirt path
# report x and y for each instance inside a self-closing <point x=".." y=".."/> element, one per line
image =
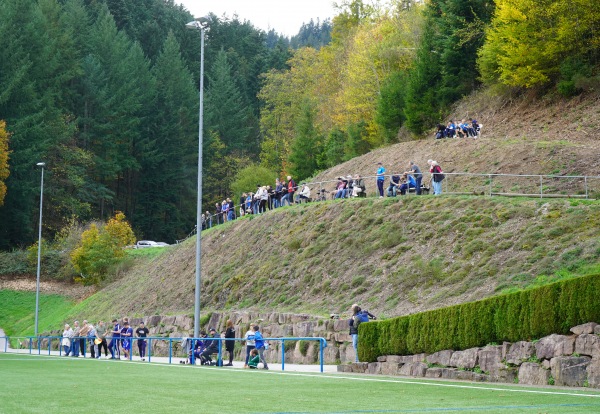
<point x="77" y="292"/>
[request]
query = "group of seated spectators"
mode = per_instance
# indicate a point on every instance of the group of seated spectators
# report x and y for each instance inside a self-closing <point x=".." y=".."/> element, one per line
<point x="462" y="129"/>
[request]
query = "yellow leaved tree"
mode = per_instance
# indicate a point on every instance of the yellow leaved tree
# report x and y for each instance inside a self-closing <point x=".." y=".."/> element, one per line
<point x="101" y="248"/>
<point x="4" y="153"/>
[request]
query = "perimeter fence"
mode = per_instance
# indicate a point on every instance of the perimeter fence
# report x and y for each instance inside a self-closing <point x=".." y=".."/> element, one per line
<point x="169" y="350"/>
<point x="461" y="183"/>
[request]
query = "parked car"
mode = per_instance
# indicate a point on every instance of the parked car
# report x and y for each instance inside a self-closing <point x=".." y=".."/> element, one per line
<point x="142" y="244"/>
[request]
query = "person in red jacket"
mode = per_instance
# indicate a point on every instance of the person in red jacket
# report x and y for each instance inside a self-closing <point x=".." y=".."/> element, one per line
<point x="291" y="189"/>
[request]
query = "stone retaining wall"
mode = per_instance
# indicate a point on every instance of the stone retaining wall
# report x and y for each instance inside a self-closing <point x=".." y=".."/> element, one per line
<point x="566" y="360"/>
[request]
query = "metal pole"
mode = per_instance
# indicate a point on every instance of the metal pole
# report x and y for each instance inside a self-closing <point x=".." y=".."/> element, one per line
<point x="199" y="201"/>
<point x="39" y="255"/>
<point x="283" y="354"/>
<point x="541" y="187"/>
<point x="586" y="187"/>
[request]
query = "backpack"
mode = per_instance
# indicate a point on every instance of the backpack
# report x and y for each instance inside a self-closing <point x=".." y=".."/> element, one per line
<point x="362" y="316"/>
<point x="437" y="174"/>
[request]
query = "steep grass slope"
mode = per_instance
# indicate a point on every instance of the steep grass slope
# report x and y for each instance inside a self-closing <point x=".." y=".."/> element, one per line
<point x="394" y="256"/>
<point x="521" y="135"/>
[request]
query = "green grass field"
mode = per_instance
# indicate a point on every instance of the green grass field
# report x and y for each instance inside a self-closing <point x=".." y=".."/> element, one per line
<point x="42" y="384"/>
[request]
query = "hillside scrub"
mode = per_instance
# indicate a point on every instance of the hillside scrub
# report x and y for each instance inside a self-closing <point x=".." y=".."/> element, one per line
<point x="394" y="256"/>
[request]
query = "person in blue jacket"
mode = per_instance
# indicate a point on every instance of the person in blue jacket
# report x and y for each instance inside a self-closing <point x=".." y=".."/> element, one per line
<point x="380" y="178"/>
<point x="260" y="345"/>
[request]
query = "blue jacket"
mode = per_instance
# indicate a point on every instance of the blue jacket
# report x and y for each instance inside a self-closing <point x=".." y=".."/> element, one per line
<point x="258" y="340"/>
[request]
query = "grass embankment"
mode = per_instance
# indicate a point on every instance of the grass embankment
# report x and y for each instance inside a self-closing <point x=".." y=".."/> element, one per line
<point x="395" y="256"/>
<point x="17" y="316"/>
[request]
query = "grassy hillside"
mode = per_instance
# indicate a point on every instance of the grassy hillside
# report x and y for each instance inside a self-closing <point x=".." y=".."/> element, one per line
<point x="394" y="256"/>
<point x="397" y="256"/>
<point x="520" y="135"/>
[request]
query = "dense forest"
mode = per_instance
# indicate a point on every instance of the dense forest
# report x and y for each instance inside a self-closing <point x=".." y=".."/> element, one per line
<point x="105" y="92"/>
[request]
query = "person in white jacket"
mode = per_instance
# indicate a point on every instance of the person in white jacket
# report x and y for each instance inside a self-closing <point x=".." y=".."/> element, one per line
<point x="66" y="339"/>
<point x="304" y="195"/>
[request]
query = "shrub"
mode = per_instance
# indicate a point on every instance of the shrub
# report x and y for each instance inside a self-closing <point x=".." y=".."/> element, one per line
<point x="523" y="315"/>
<point x="101" y="248"/>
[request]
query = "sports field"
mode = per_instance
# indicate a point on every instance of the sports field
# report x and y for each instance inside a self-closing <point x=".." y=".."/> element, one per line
<point x="43" y="384"/>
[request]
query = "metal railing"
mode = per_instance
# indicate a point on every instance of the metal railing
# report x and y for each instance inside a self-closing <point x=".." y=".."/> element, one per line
<point x="156" y="346"/>
<point x="461" y="183"/>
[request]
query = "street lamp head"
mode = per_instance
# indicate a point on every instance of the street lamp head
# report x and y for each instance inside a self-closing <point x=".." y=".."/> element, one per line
<point x="199" y="23"/>
<point x="41" y="164"/>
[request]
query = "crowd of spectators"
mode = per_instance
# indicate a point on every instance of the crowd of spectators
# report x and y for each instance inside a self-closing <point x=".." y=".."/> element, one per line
<point x="76" y="339"/>
<point x="285" y="193"/>
<point x="462" y="129"/>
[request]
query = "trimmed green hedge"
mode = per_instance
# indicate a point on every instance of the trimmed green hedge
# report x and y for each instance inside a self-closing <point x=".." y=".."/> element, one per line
<point x="524" y="315"/>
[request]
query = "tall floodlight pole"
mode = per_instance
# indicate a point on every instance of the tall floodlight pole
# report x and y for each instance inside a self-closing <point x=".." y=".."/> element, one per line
<point x="39" y="255"/>
<point x="199" y="24"/>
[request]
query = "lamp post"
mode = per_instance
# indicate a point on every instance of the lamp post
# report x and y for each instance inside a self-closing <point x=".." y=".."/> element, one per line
<point x="199" y="24"/>
<point x="39" y="255"/>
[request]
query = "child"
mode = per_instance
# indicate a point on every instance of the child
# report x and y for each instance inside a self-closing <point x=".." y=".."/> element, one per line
<point x="254" y="359"/>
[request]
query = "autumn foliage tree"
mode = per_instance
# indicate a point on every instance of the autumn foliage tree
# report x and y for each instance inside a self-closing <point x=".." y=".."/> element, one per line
<point x="4" y="171"/>
<point x="101" y="247"/>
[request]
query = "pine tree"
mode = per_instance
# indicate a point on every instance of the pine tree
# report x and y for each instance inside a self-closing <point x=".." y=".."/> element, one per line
<point x="165" y="201"/>
<point x="306" y="146"/>
<point x="225" y="113"/>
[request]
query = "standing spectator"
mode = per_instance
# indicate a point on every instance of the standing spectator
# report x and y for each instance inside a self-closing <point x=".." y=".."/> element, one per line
<point x="243" y="204"/>
<point x="354" y="329"/>
<point x="229" y="342"/>
<point x="208" y="219"/>
<point x="203" y="222"/>
<point x="260" y="345"/>
<point x="218" y="214"/>
<point x="126" y="334"/>
<point x="436" y="176"/>
<point x="270" y="197"/>
<point x="380" y="178"/>
<point x="75" y="340"/>
<point x="291" y="189"/>
<point x="83" y="334"/>
<point x="101" y="336"/>
<point x="264" y="198"/>
<point x="142" y="332"/>
<point x="416" y="172"/>
<point x="230" y="209"/>
<point x="113" y="345"/>
<point x="250" y="344"/>
<point x="90" y="337"/>
<point x="278" y="193"/>
<point x="66" y="339"/>
<point x="249" y="204"/>
<point x="224" y="210"/>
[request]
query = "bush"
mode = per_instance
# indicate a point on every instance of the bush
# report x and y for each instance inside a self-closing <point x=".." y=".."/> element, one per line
<point x="101" y="249"/>
<point x="524" y="315"/>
